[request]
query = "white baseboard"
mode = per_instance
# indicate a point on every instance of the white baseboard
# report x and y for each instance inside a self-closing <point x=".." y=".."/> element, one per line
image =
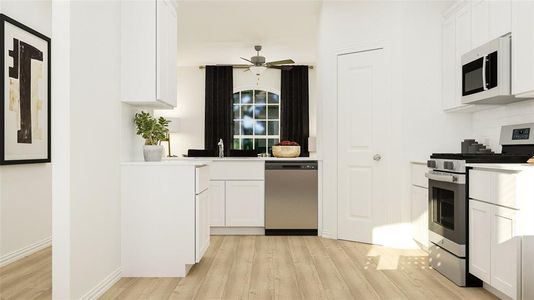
<point x="103" y="286"/>
<point x="327" y="235"/>
<point x="237" y="231"/>
<point x="495" y="292"/>
<point x="24" y="252"/>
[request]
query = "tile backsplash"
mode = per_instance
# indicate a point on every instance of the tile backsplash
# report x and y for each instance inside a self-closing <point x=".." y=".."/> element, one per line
<point x="487" y="123"/>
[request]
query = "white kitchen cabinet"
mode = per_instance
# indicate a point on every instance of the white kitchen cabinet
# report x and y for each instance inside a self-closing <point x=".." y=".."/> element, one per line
<point x="498" y="188"/>
<point x="148" y="60"/>
<point x="480" y="239"/>
<point x="419" y="204"/>
<point x="463" y="45"/>
<point x="202" y="228"/>
<point x="480" y="22"/>
<point x="494" y="247"/>
<point x="501" y="215"/>
<point x="217" y="203"/>
<point x="490" y="20"/>
<point x="450" y="98"/>
<point x="245" y="203"/>
<point x="505" y="252"/>
<point x="522" y="48"/>
<point x="165" y="218"/>
<point x="237" y="194"/>
<point x="468" y="25"/>
<point x="419" y="213"/>
<point x="500" y="18"/>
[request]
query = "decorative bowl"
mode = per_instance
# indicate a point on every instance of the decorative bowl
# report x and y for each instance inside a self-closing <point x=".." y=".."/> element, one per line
<point x="286" y="151"/>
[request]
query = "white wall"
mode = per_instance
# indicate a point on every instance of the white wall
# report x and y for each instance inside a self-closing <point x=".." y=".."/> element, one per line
<point x="410" y="33"/>
<point x="191" y="98"/>
<point x="25" y="190"/>
<point x="487" y="123"/>
<point x="87" y="155"/>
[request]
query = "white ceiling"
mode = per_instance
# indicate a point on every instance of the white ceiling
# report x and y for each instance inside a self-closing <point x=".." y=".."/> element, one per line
<point x="219" y="31"/>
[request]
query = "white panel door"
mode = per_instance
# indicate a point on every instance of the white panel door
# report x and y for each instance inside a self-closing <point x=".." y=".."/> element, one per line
<point x="363" y="130"/>
<point x="245" y="203"/>
<point x="480" y="239"/>
<point x="217" y="191"/>
<point x="505" y="252"/>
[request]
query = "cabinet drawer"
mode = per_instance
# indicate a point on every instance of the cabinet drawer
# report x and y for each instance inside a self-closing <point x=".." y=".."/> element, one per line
<point x="418" y="175"/>
<point x="202" y="179"/>
<point x="494" y="187"/>
<point x="480" y="185"/>
<point x="237" y="170"/>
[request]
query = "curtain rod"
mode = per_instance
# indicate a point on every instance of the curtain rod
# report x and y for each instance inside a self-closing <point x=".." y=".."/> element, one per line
<point x="203" y="67"/>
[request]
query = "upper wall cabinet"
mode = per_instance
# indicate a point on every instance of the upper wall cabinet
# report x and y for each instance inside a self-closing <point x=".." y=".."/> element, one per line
<point x="149" y="46"/>
<point x="523" y="49"/>
<point x="467" y="25"/>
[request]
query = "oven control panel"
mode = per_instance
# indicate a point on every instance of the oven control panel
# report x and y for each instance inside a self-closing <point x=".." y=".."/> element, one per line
<point x="447" y="165"/>
<point x="520" y="134"/>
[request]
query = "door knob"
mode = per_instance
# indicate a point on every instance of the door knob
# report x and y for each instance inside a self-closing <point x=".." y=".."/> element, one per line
<point x="377" y="157"/>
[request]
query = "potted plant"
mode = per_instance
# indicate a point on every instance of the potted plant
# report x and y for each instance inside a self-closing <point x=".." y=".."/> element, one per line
<point x="153" y="130"/>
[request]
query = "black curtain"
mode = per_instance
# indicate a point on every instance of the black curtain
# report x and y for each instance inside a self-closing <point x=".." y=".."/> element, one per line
<point x="294" y="114"/>
<point x="218" y="115"/>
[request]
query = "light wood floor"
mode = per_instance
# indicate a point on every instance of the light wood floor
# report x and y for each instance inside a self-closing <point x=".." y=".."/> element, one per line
<point x="260" y="267"/>
<point x="28" y="278"/>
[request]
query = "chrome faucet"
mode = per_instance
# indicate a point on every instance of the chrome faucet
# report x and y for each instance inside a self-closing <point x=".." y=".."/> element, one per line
<point x="221" y="148"/>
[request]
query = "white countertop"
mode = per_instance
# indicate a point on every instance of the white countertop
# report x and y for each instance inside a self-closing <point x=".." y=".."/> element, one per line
<point x="196" y="163"/>
<point x="505" y="167"/>
<point x="208" y="159"/>
<point x="200" y="161"/>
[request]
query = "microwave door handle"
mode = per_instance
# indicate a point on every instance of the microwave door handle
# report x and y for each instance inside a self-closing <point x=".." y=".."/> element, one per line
<point x="484" y="85"/>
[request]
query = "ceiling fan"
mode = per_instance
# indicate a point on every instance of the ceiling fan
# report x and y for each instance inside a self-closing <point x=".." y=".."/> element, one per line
<point x="259" y="65"/>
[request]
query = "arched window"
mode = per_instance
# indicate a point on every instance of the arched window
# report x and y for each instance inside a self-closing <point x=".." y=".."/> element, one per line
<point x="256" y="115"/>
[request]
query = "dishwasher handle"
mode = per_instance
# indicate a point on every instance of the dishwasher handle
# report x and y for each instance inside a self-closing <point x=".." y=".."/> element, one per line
<point x="308" y="165"/>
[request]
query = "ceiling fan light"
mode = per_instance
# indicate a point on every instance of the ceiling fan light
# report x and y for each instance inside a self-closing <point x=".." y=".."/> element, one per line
<point x="258" y="70"/>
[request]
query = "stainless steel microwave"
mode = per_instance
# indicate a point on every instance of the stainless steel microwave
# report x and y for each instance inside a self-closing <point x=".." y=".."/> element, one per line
<point x="486" y="73"/>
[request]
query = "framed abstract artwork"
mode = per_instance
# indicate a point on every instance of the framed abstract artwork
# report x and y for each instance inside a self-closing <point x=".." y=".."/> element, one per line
<point x="25" y="136"/>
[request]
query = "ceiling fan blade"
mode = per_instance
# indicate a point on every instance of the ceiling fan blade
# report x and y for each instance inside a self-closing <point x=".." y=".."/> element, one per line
<point x="281" y="62"/>
<point x="236" y="66"/>
<point x="285" y="68"/>
<point x="247" y="60"/>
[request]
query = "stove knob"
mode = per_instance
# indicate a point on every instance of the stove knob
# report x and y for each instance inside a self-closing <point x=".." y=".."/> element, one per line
<point x="448" y="165"/>
<point x="431" y="164"/>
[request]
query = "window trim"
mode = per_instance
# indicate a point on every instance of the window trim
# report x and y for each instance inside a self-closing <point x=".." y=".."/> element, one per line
<point x="252" y="136"/>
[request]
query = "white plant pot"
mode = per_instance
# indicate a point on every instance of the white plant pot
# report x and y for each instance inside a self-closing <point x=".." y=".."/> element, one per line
<point x="153" y="152"/>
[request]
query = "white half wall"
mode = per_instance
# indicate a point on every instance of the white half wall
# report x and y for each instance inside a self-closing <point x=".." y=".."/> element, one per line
<point x="411" y="34"/>
<point x="191" y="98"/>
<point x="25" y="190"/>
<point x="86" y="160"/>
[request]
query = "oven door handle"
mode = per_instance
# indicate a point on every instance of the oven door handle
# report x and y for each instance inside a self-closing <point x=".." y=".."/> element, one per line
<point x="445" y="178"/>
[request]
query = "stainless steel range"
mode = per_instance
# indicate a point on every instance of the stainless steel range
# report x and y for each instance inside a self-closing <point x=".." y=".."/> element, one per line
<point x="448" y="182"/>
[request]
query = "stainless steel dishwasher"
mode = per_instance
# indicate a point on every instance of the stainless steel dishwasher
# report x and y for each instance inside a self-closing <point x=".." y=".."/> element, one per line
<point x="291" y="194"/>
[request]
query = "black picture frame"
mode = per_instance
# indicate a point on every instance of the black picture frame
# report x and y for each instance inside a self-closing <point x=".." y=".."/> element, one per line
<point x="3" y="20"/>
